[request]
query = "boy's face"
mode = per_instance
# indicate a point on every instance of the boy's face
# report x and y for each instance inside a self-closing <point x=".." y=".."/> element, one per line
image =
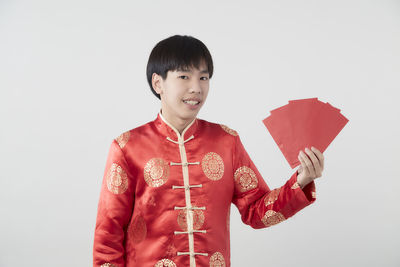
<point x="182" y="93"/>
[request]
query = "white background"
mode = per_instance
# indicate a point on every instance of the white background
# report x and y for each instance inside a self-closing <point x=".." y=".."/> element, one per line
<point x="72" y="78"/>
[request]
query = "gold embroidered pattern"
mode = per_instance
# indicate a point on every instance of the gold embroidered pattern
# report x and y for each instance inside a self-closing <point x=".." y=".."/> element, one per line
<point x="229" y="130"/>
<point x="272" y="217"/>
<point x="213" y="166"/>
<point x="123" y="139"/>
<point x="198" y="219"/>
<point x="272" y="196"/>
<point x="165" y="263"/>
<point x="156" y="172"/>
<point x="138" y="229"/>
<point x="108" y="265"/>
<point x="117" y="179"/>
<point x="245" y="179"/>
<point x="217" y="260"/>
<point x="295" y="185"/>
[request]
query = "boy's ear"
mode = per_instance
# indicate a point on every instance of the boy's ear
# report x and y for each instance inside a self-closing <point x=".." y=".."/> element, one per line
<point x="156" y="82"/>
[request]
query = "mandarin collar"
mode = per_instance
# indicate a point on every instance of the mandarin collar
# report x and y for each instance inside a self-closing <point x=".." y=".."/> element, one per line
<point x="170" y="131"/>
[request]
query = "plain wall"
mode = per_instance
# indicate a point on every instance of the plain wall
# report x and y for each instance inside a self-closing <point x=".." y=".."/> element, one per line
<point x="72" y="78"/>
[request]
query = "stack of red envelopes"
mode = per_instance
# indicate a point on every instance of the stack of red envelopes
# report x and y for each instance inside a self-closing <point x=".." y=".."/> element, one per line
<point x="304" y="123"/>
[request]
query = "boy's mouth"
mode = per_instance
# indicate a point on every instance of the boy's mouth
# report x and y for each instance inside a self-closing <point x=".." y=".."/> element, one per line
<point x="191" y="102"/>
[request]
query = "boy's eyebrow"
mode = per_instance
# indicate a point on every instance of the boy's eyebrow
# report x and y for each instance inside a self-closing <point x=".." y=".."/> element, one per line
<point x="188" y="70"/>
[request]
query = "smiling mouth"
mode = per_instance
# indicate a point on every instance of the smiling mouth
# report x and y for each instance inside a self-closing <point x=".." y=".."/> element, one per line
<point x="191" y="102"/>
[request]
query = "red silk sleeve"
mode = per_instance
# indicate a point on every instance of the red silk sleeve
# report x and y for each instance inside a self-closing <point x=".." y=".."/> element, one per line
<point x="114" y="210"/>
<point x="259" y="206"/>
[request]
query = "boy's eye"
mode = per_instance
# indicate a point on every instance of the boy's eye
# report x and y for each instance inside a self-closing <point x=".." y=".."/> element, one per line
<point x="186" y="77"/>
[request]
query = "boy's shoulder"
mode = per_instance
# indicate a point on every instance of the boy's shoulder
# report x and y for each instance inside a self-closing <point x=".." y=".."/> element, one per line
<point x="224" y="129"/>
<point x="123" y="138"/>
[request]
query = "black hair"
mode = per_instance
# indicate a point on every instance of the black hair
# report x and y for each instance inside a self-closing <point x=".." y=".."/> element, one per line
<point x="178" y="52"/>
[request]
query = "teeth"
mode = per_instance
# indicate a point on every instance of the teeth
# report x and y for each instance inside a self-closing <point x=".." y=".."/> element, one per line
<point x="191" y="102"/>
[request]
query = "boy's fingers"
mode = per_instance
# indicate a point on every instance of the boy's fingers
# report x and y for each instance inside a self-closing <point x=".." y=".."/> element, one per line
<point x="302" y="166"/>
<point x="308" y="164"/>
<point x="315" y="162"/>
<point x="320" y="156"/>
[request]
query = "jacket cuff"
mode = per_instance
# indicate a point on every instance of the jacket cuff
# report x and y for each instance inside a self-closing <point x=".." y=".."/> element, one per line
<point x="307" y="194"/>
<point x="300" y="198"/>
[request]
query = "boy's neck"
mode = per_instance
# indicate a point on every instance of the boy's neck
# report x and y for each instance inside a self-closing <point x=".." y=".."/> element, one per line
<point x="177" y="123"/>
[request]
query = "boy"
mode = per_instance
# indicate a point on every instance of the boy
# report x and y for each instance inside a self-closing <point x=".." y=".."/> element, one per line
<point x="168" y="185"/>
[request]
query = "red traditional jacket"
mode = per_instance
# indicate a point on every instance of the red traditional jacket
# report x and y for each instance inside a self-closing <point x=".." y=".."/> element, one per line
<point x="165" y="198"/>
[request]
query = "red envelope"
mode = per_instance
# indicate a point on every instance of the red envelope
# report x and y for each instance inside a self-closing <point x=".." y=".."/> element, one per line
<point x="304" y="123"/>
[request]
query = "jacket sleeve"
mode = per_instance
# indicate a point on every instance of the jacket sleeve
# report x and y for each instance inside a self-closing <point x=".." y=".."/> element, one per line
<point x="114" y="210"/>
<point x="259" y="206"/>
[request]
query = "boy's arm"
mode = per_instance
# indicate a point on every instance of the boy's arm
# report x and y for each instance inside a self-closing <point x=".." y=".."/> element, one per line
<point x="259" y="206"/>
<point x="114" y="210"/>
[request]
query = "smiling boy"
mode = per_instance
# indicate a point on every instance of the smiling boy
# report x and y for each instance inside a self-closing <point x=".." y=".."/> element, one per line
<point x="179" y="106"/>
<point x="168" y="185"/>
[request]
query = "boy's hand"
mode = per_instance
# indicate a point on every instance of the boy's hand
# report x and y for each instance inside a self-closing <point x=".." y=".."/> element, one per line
<point x="311" y="166"/>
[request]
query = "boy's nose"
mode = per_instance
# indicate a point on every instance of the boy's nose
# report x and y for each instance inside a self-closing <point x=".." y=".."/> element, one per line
<point x="195" y="88"/>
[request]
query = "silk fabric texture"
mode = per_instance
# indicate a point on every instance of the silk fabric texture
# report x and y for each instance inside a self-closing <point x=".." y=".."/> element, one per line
<point x="165" y="197"/>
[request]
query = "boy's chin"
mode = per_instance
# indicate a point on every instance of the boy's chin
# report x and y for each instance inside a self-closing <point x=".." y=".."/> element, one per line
<point x="190" y="115"/>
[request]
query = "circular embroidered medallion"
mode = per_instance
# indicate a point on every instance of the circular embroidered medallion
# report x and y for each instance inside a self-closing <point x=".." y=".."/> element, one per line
<point x="217" y="260"/>
<point x="117" y="179"/>
<point x="245" y="179"/>
<point x="213" y="166"/>
<point x="156" y="172"/>
<point x="229" y="130"/>
<point x="165" y="263"/>
<point x="272" y="196"/>
<point x="272" y="217"/>
<point x="198" y="219"/>
<point x="123" y="139"/>
<point x="138" y="229"/>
